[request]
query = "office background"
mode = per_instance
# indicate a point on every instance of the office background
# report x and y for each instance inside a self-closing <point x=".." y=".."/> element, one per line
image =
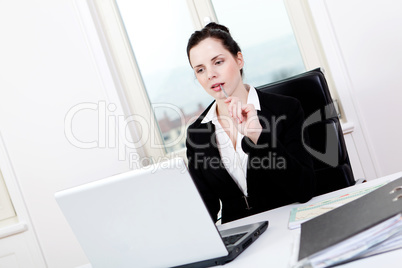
<point x="47" y="67"/>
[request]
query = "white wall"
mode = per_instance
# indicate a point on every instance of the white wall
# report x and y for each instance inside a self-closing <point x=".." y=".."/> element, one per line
<point x="47" y="67"/>
<point x="362" y="41"/>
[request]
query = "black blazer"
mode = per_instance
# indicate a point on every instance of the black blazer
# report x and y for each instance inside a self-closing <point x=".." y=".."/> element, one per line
<point x="279" y="171"/>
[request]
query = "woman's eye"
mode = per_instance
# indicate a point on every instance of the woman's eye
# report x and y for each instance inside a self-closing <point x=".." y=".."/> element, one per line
<point x="199" y="71"/>
<point x="219" y="62"/>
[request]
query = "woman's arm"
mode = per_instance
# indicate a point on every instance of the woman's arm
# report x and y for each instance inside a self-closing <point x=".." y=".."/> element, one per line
<point x="290" y="174"/>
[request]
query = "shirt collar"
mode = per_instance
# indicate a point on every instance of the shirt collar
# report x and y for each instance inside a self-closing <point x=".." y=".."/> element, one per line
<point x="252" y="98"/>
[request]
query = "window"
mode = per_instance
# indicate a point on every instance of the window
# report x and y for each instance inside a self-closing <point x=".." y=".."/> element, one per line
<point x="158" y="33"/>
<point x="265" y="36"/>
<point x="159" y="71"/>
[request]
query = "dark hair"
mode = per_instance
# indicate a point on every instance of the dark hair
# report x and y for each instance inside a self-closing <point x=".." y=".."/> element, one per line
<point x="217" y="31"/>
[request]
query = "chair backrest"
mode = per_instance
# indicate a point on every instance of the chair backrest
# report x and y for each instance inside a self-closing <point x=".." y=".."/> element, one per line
<point x="326" y="143"/>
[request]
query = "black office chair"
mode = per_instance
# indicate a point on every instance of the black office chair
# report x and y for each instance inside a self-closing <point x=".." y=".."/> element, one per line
<point x="327" y="145"/>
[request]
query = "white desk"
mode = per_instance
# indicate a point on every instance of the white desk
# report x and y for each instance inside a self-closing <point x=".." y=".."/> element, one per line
<point x="275" y="247"/>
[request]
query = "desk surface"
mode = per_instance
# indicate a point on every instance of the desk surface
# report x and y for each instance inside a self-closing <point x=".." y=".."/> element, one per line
<point x="276" y="247"/>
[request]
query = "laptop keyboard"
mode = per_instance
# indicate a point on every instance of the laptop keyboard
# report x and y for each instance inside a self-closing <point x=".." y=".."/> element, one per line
<point x="230" y="240"/>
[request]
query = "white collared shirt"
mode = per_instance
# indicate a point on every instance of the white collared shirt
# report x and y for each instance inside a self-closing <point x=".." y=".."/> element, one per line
<point x="234" y="159"/>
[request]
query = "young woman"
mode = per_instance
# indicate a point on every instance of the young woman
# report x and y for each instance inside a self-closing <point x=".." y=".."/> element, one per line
<point x="245" y="149"/>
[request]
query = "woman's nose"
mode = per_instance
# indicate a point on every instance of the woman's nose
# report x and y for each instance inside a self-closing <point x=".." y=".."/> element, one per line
<point x="211" y="74"/>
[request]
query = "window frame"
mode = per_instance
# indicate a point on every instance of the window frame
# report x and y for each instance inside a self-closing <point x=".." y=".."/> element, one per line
<point x="117" y="48"/>
<point x="7" y="211"/>
<point x="14" y="213"/>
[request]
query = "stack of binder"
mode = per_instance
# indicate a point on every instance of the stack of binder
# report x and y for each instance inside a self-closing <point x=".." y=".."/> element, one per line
<point x="369" y="225"/>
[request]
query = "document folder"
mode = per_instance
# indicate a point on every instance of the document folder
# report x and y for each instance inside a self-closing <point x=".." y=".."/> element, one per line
<point x="354" y="229"/>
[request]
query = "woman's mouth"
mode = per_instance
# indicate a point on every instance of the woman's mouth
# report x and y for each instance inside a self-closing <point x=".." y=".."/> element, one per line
<point x="217" y="86"/>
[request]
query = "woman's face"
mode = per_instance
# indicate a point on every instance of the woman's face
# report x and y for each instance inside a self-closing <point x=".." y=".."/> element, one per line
<point x="214" y="65"/>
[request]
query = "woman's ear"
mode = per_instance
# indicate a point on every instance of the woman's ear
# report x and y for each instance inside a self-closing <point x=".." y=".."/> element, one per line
<point x="240" y="60"/>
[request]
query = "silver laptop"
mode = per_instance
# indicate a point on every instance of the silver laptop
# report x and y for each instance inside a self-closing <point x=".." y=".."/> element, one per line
<point x="150" y="217"/>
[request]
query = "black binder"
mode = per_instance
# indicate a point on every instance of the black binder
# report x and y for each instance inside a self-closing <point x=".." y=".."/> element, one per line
<point x="350" y="219"/>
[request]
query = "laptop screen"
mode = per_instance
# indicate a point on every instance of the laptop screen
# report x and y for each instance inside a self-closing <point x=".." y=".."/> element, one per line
<point x="151" y="217"/>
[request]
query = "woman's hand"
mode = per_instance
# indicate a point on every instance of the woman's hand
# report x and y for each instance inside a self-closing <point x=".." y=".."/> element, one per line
<point x="245" y="118"/>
